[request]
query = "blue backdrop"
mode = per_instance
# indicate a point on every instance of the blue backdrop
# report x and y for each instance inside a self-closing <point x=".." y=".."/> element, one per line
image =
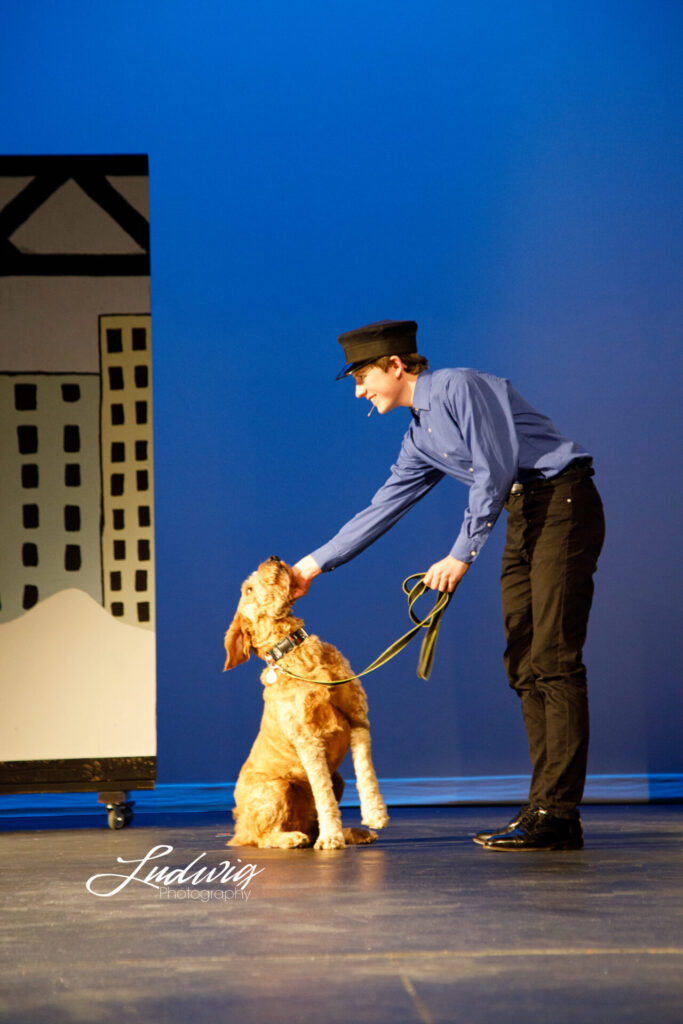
<point x="506" y="173"/>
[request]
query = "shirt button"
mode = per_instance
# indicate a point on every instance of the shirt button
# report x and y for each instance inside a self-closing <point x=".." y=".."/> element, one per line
<point x="474" y="554"/>
<point x="489" y="525"/>
<point x="471" y="469"/>
<point x="445" y="455"/>
<point x="429" y="430"/>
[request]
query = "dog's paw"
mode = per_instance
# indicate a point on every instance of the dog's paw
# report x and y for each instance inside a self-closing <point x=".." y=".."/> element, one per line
<point x="375" y="817"/>
<point x="359" y="836"/>
<point x="333" y="841"/>
<point x="289" y="840"/>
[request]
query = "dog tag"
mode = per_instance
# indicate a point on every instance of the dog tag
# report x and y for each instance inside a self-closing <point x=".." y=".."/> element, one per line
<point x="271" y="676"/>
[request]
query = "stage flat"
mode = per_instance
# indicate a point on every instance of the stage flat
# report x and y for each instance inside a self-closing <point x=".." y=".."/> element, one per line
<point x="424" y="926"/>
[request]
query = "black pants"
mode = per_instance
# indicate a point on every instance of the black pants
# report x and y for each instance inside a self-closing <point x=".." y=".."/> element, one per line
<point x="555" y="531"/>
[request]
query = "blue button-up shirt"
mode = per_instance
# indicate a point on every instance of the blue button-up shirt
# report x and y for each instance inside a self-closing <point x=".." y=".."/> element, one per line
<point x="471" y="426"/>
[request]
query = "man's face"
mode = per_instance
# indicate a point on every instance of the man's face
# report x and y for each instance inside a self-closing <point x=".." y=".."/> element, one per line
<point x="380" y="387"/>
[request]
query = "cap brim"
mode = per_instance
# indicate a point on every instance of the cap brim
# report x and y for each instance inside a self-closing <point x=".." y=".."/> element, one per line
<point x="352" y="367"/>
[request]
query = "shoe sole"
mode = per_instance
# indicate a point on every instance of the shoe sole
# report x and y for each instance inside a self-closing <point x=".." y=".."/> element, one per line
<point x="532" y="849"/>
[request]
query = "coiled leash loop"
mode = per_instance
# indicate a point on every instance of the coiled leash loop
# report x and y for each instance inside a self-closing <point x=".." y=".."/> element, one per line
<point x="430" y="623"/>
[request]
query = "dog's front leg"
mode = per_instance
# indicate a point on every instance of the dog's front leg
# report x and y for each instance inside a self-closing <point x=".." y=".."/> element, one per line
<point x="312" y="756"/>
<point x="372" y="806"/>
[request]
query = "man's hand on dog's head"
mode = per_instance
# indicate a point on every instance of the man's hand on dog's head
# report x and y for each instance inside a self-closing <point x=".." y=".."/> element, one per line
<point x="303" y="574"/>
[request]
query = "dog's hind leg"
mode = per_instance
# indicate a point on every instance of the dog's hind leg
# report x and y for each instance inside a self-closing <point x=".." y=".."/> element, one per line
<point x="358" y="836"/>
<point x="285" y="840"/>
<point x="372" y="806"/>
<point x="272" y="813"/>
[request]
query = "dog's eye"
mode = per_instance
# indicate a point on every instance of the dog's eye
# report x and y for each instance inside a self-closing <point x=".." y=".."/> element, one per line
<point x="248" y="590"/>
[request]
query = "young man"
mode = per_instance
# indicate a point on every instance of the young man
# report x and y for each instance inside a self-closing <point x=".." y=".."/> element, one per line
<point x="476" y="428"/>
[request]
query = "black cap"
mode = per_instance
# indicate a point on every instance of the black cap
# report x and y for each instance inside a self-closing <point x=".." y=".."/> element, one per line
<point x="384" y="338"/>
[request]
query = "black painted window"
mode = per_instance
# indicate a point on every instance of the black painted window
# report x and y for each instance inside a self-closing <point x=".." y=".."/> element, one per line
<point x="141" y="376"/>
<point x="29" y="475"/>
<point x="28" y="440"/>
<point x="142" y="480"/>
<point x="143" y="611"/>
<point x="141" y="451"/>
<point x="25" y="396"/>
<point x="72" y="517"/>
<point x="114" y="339"/>
<point x="30" y="596"/>
<point x="141" y="579"/>
<point x="117" y="608"/>
<point x="116" y="484"/>
<point x="118" y="451"/>
<point x="30" y="517"/>
<point x="115" y="580"/>
<point x="144" y="515"/>
<point x="72" y="557"/>
<point x="118" y="518"/>
<point x="72" y="474"/>
<point x="139" y="338"/>
<point x="71" y="392"/>
<point x="72" y="438"/>
<point x="143" y="550"/>
<point x="29" y="554"/>
<point x="117" y="414"/>
<point x="141" y="412"/>
<point x="116" y="378"/>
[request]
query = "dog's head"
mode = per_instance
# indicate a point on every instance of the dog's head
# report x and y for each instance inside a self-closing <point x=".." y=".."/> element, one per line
<point x="266" y="598"/>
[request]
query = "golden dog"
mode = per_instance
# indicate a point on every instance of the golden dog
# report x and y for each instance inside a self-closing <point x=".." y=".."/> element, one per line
<point x="287" y="794"/>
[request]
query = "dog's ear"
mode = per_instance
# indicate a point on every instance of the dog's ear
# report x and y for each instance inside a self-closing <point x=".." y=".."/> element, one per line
<point x="237" y="643"/>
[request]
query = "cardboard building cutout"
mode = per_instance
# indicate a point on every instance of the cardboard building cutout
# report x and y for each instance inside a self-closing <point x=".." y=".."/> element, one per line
<point x="77" y="604"/>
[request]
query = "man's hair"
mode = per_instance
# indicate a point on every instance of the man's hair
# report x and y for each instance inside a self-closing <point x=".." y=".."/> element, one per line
<point x="412" y="362"/>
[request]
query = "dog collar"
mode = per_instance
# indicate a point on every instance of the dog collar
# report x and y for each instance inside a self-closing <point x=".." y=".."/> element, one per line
<point x="291" y="641"/>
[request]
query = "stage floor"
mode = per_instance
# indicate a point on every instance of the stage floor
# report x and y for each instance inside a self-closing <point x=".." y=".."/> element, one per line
<point x="424" y="926"/>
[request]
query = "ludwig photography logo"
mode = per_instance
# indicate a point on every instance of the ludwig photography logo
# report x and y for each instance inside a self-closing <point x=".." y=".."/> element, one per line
<point x="174" y="883"/>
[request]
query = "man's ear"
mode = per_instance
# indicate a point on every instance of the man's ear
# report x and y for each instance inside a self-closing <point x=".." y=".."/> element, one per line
<point x="237" y="643"/>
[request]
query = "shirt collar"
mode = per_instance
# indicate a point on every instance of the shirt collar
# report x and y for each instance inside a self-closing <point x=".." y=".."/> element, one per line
<point x="423" y="390"/>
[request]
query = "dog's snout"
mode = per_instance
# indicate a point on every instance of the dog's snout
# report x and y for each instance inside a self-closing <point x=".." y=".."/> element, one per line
<point x="274" y="558"/>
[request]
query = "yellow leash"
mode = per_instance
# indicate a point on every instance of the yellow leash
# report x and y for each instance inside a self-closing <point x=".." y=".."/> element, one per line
<point x="430" y="623"/>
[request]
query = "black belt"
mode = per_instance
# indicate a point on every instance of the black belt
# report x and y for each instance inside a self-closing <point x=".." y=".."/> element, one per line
<point x="585" y="467"/>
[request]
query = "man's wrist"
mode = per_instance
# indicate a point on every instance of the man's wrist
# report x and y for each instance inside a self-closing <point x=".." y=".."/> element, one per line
<point x="308" y="567"/>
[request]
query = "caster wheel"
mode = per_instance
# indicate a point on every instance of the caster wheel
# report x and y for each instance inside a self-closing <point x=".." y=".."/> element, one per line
<point x="119" y="815"/>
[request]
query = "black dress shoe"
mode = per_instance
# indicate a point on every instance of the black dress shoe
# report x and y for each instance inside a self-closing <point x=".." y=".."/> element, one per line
<point x="540" y="831"/>
<point x="523" y="812"/>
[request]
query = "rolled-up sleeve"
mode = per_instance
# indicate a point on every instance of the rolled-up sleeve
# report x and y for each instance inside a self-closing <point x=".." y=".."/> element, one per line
<point x="410" y="479"/>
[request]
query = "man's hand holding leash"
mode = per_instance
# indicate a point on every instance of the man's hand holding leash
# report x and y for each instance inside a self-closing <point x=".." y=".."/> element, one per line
<point x="446" y="574"/>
